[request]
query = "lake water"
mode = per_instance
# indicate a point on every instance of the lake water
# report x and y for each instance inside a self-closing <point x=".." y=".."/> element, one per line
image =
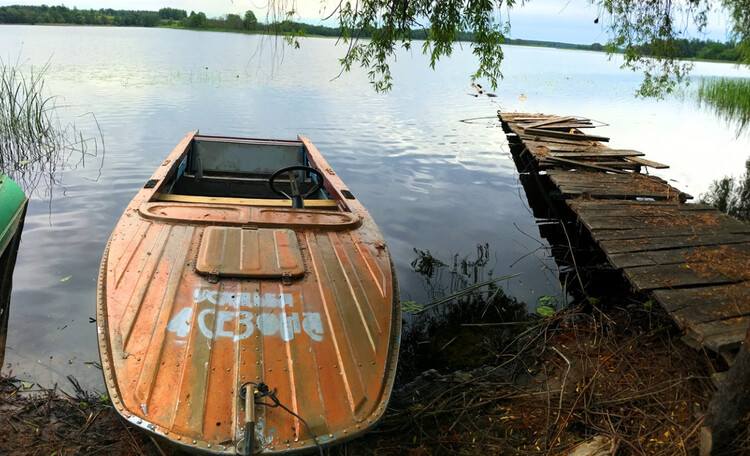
<point x="431" y="178"/>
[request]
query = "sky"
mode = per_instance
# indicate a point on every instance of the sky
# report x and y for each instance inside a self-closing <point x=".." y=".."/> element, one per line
<point x="570" y="21"/>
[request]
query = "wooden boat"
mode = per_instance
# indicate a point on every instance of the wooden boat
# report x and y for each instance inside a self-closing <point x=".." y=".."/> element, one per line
<point x="242" y="276"/>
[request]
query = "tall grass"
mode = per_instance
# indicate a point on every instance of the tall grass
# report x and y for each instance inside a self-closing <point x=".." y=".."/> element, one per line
<point x="729" y="99"/>
<point x="35" y="145"/>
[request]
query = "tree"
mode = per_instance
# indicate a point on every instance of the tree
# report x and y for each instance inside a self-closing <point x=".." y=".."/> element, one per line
<point x="196" y="20"/>
<point x="250" y="22"/>
<point x="234" y="22"/>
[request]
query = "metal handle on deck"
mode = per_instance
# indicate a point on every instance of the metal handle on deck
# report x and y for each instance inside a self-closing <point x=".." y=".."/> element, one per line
<point x="248" y="440"/>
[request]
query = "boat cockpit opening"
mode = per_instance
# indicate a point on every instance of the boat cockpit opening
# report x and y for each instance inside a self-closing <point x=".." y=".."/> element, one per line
<point x="247" y="169"/>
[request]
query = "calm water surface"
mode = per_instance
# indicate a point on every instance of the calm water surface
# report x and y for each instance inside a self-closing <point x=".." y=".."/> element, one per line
<point x="432" y="180"/>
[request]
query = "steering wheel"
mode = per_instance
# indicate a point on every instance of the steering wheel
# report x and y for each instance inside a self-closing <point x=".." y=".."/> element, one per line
<point x="296" y="197"/>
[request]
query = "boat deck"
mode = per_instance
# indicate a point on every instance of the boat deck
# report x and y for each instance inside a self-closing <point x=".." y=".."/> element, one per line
<point x="691" y="258"/>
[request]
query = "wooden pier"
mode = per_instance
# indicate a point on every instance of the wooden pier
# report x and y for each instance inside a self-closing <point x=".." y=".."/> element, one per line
<point x="690" y="258"/>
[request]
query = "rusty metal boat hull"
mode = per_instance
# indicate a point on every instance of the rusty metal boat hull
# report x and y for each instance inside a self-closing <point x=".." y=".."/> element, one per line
<point x="201" y="294"/>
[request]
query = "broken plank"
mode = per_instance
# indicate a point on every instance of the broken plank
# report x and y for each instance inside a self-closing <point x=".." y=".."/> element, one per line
<point x="585" y="164"/>
<point x="569" y="136"/>
<point x="556" y="160"/>
<point x="551" y="142"/>
<point x="649" y="163"/>
<point x="548" y="121"/>
<point x="567" y="153"/>
<point x="568" y="126"/>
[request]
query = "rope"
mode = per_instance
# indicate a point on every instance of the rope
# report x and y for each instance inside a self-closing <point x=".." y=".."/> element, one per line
<point x="262" y="390"/>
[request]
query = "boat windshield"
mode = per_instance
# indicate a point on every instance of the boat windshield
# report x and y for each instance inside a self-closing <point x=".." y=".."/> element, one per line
<point x="241" y="168"/>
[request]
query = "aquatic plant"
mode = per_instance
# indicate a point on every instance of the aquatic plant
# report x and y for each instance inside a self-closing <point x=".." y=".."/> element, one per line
<point x="729" y="99"/>
<point x="35" y="145"/>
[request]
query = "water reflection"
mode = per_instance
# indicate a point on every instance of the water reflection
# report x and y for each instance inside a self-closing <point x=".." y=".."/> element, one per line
<point x="469" y="328"/>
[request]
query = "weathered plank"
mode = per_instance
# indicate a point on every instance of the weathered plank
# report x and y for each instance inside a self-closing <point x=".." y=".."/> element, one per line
<point x="734" y="299"/>
<point x="603" y="185"/>
<point x="624" y="208"/>
<point x="721" y="334"/>
<point x="672" y="242"/>
<point x="647" y="278"/>
<point x="642" y="233"/>
<point x="667" y="220"/>
<point x="676" y="256"/>
<point x="690" y="306"/>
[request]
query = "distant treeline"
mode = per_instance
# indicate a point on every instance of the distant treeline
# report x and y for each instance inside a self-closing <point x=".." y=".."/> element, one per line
<point x="172" y="17"/>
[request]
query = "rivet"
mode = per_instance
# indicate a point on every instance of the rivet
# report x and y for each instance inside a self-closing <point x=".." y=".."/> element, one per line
<point x="208" y="445"/>
<point x="194" y="442"/>
<point x="139" y="421"/>
<point x="229" y="370"/>
<point x="179" y="437"/>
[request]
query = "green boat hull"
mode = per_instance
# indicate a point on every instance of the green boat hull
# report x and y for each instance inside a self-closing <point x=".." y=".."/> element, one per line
<point x="12" y="208"/>
<point x="12" y="212"/>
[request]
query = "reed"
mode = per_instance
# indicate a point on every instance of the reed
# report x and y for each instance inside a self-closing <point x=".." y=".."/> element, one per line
<point x="35" y="145"/>
<point x="729" y="99"/>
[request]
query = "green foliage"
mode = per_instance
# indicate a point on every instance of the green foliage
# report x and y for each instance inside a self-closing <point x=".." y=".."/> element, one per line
<point x="740" y="32"/>
<point x="389" y="24"/>
<point x="172" y="14"/>
<point x="647" y="34"/>
<point x="195" y="20"/>
<point x="545" y="311"/>
<point x="731" y="196"/>
<point x="23" y="14"/>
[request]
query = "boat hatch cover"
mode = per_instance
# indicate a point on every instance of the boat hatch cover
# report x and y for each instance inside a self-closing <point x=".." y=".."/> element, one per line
<point x="252" y="253"/>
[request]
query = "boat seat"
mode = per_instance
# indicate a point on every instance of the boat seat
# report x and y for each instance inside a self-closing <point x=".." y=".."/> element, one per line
<point x="309" y="203"/>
